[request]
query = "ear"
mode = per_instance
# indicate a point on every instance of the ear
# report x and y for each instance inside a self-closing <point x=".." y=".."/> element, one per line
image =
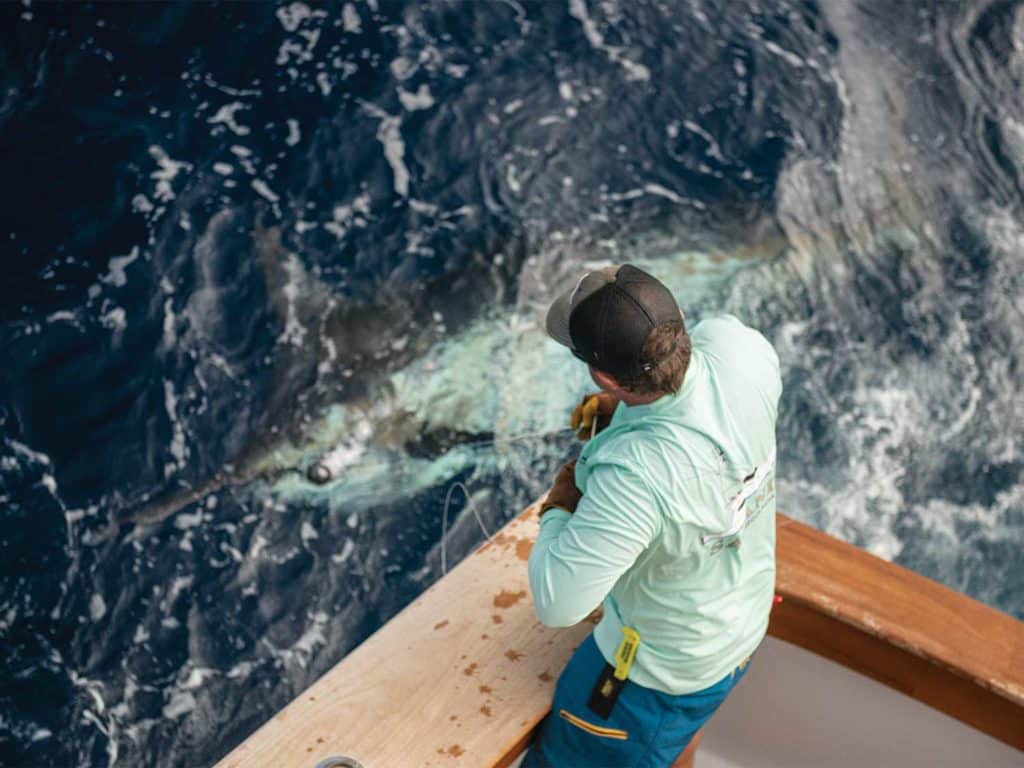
<point x="605" y="381"/>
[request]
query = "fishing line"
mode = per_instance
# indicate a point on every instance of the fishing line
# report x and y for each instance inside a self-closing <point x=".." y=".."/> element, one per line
<point x="444" y="522"/>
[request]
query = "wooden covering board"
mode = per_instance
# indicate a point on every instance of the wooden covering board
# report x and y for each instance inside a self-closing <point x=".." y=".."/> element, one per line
<point x="464" y="674"/>
<point x="459" y="678"/>
<point x="902" y="629"/>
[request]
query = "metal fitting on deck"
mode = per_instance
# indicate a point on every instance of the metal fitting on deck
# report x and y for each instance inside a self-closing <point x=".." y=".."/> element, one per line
<point x="339" y="762"/>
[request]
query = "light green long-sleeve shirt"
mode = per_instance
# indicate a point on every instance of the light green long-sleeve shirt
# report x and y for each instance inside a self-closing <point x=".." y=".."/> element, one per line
<point x="675" y="532"/>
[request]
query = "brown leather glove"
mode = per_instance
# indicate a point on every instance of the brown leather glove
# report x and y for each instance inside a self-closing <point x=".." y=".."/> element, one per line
<point x="593" y="414"/>
<point x="563" y="492"/>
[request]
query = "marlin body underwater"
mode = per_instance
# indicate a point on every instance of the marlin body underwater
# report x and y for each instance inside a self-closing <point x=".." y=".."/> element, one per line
<point x="342" y="424"/>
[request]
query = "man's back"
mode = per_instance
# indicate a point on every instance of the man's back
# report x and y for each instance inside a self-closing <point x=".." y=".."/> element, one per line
<point x="670" y="476"/>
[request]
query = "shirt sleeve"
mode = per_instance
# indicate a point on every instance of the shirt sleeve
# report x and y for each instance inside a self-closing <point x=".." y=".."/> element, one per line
<point x="577" y="558"/>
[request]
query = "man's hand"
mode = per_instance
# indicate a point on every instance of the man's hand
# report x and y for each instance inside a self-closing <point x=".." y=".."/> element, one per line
<point x="593" y="414"/>
<point x="563" y="493"/>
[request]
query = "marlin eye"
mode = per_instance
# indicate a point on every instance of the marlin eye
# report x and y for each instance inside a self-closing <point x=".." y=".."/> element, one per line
<point x="318" y="473"/>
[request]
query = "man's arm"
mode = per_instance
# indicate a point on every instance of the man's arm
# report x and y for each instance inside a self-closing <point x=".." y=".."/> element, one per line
<point x="577" y="558"/>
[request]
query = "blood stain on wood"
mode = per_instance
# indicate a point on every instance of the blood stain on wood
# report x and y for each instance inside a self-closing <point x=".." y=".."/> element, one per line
<point x="506" y="599"/>
<point x="486" y="710"/>
<point x="512" y="655"/>
<point x="496" y="618"/>
<point x="470" y="670"/>
<point x="523" y="547"/>
<point x="441" y="624"/>
<point x="545" y="677"/>
<point x="486" y="689"/>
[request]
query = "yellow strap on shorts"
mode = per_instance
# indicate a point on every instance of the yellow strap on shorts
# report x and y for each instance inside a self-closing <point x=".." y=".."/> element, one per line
<point x="626" y="652"/>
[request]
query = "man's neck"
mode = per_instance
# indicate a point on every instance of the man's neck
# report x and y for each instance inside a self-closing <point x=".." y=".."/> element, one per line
<point x="632" y="399"/>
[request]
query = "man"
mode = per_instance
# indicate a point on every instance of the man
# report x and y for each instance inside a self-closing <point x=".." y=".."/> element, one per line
<point x="667" y="516"/>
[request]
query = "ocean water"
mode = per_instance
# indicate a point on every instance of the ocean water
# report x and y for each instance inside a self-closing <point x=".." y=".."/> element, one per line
<point x="242" y="238"/>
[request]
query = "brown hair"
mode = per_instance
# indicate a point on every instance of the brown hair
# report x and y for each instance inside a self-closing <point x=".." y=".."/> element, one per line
<point x="669" y="345"/>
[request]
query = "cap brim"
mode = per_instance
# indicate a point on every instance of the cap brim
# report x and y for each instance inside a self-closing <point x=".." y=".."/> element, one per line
<point x="557" y="322"/>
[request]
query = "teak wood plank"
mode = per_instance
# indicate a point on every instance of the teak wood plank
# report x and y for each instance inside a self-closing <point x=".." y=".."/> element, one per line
<point x="459" y="678"/>
<point x="901" y="608"/>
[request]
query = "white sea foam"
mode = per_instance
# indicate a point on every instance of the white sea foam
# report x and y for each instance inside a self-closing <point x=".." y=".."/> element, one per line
<point x="354" y="214"/>
<point x="25" y="452"/>
<point x="634" y="70"/>
<point x="141" y="204"/>
<point x="178" y="585"/>
<point x="261" y="188"/>
<point x="421" y="99"/>
<point x="226" y="116"/>
<point x="712" y="144"/>
<point x="302" y="649"/>
<point x="402" y="68"/>
<point x="294" y="134"/>
<point x="178" y="448"/>
<point x="114" y="319"/>
<point x="292" y="15"/>
<point x="312" y="637"/>
<point x="350" y="19"/>
<point x="298" y="51"/>
<point x="185" y="520"/>
<point x="116" y="268"/>
<point x="294" y="331"/>
<point x="97" y="607"/>
<point x="323" y="81"/>
<point x="166" y="173"/>
<point x="346" y="552"/>
<point x="307" y="532"/>
<point x="389" y="134"/>
<point x="170" y="336"/>
<point x="180" y="703"/>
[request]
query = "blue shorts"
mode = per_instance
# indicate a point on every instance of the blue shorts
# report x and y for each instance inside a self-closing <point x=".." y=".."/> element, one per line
<point x="646" y="728"/>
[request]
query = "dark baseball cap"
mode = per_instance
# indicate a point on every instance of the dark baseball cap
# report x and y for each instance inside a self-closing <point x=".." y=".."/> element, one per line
<point x="606" y="317"/>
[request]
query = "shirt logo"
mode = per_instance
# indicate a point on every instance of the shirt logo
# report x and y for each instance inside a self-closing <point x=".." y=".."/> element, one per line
<point x="757" y="490"/>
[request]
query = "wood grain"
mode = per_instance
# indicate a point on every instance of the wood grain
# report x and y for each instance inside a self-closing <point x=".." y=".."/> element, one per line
<point x="901" y="607"/>
<point x="461" y="677"/>
<point x="465" y="673"/>
<point x="900" y="628"/>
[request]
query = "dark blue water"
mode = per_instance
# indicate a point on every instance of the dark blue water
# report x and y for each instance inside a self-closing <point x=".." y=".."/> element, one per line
<point x="237" y="235"/>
